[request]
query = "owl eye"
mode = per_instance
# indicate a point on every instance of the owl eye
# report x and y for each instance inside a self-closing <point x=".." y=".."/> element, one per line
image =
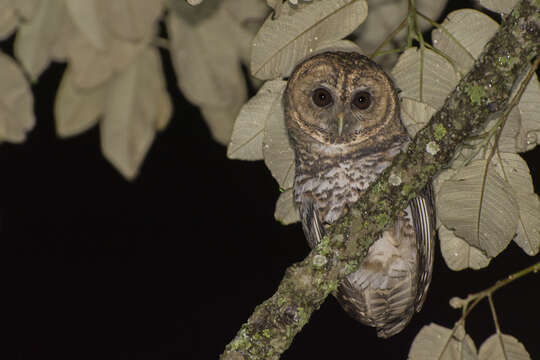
<point x="322" y="97"/>
<point x="362" y="100"/>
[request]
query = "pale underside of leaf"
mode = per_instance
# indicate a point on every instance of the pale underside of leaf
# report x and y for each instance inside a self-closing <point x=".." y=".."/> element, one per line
<point x="515" y="171"/>
<point x="499" y="6"/>
<point x="529" y="108"/>
<point x="458" y="254"/>
<point x="283" y="42"/>
<point x="130" y="20"/>
<point x="286" y="213"/>
<point x="484" y="213"/>
<point x="277" y="151"/>
<point x="8" y="18"/>
<point x="337" y="45"/>
<point x="248" y="133"/>
<point x="502" y="347"/>
<point x="86" y="17"/>
<point x="435" y="342"/>
<point x="35" y="39"/>
<point x="16" y="102"/>
<point x="206" y="59"/>
<point x="132" y="114"/>
<point x="92" y="67"/>
<point x="26" y="8"/>
<point x="76" y="109"/>
<point x="220" y="121"/>
<point x="430" y="83"/>
<point x="459" y="44"/>
<point x="415" y="115"/>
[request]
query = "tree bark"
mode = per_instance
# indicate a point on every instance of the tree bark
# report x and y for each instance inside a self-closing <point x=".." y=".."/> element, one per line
<point x="272" y="326"/>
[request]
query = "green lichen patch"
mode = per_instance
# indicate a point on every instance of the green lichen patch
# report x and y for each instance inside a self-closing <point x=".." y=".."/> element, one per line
<point x="440" y="132"/>
<point x="476" y="93"/>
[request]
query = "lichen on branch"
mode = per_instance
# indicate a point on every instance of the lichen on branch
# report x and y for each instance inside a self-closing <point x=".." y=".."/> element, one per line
<point x="480" y="95"/>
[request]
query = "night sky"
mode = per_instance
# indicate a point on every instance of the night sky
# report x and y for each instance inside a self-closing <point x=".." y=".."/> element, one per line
<point x="170" y="265"/>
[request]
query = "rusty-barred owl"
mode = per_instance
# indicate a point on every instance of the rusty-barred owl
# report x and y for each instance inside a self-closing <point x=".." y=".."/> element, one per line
<point x="343" y="119"/>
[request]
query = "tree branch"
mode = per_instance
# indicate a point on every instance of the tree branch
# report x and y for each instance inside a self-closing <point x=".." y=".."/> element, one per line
<point x="272" y="326"/>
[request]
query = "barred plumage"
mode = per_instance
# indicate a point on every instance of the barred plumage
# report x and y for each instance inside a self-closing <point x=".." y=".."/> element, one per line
<point x="342" y="115"/>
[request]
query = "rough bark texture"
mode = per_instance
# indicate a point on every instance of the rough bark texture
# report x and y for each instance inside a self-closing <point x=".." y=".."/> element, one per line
<point x="482" y="93"/>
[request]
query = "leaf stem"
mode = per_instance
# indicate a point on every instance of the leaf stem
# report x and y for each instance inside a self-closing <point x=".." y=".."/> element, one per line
<point x="396" y="31"/>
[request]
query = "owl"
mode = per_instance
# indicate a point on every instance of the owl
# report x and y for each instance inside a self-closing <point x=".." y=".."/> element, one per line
<point x="343" y="119"/>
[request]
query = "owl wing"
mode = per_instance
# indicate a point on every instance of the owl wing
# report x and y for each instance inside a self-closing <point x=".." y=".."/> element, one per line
<point x="311" y="223"/>
<point x="394" y="277"/>
<point x="423" y="216"/>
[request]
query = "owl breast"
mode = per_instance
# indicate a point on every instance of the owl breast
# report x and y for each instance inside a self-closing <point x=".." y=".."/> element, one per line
<point x="334" y="188"/>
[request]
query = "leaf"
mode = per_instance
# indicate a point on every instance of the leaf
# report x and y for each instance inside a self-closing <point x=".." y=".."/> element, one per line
<point x="246" y="10"/>
<point x="415" y="115"/>
<point x="515" y="171"/>
<point x="35" y="39"/>
<point x="87" y="19"/>
<point x="277" y="151"/>
<point x="76" y="109"/>
<point x="281" y="43"/>
<point x="337" y="45"/>
<point x="385" y="16"/>
<point x="247" y="137"/>
<point x="132" y="114"/>
<point x="8" y="19"/>
<point x="26" y="8"/>
<point x="91" y="66"/>
<point x="286" y="213"/>
<point x="131" y="20"/>
<point x="205" y="57"/>
<point x="502" y="347"/>
<point x="16" y="102"/>
<point x="431" y="84"/>
<point x="461" y="46"/>
<point x="485" y="214"/>
<point x="499" y="6"/>
<point x="436" y="342"/>
<point x="458" y="254"/>
<point x="220" y="120"/>
<point x="529" y="108"/>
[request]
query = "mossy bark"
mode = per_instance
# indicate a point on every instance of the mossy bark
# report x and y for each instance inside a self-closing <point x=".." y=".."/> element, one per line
<point x="482" y="93"/>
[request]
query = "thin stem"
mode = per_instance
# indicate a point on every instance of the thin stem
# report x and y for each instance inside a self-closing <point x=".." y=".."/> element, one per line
<point x="161" y="43"/>
<point x="396" y="31"/>
<point x="494" y="313"/>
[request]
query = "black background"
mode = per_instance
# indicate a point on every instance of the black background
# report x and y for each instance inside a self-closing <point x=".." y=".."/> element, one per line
<point x="171" y="265"/>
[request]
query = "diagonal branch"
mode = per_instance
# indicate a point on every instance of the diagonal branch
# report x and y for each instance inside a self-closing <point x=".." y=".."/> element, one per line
<point x="272" y="326"/>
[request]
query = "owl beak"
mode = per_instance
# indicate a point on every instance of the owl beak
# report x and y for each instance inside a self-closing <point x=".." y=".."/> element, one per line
<point x="340" y="117"/>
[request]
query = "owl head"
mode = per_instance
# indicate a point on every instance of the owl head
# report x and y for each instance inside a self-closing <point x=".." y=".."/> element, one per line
<point x="341" y="98"/>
